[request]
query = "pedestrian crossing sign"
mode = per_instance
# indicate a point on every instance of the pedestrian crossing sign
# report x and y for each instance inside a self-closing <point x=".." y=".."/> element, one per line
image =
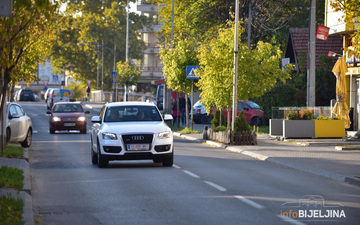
<point x="190" y="72"/>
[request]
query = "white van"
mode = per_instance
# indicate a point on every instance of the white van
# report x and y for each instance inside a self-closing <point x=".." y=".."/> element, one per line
<point x="58" y="95"/>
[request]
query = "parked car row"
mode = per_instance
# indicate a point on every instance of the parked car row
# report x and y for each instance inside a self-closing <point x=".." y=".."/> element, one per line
<point x="254" y="115"/>
<point x="25" y="95"/>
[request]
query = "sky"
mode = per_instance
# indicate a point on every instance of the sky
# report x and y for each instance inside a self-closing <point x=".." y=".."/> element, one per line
<point x="132" y="7"/>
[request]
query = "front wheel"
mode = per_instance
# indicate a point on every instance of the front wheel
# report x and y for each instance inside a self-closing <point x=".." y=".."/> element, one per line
<point x="205" y="119"/>
<point x="27" y="141"/>
<point x="52" y="131"/>
<point x="169" y="161"/>
<point x="83" y="130"/>
<point x="94" y="158"/>
<point x="8" y="135"/>
<point x="102" y="163"/>
<point x="256" y="121"/>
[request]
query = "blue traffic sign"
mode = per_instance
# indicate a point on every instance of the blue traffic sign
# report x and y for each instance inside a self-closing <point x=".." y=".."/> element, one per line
<point x="190" y="72"/>
<point x="113" y="76"/>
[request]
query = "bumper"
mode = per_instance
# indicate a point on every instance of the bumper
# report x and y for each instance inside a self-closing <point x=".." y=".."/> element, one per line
<point x="136" y="156"/>
<point x="27" y="98"/>
<point x="61" y="126"/>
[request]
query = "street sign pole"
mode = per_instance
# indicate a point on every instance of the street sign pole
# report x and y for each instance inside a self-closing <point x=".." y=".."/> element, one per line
<point x="192" y="102"/>
<point x="191" y="74"/>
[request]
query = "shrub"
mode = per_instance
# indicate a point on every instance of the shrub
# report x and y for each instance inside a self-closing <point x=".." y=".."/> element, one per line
<point x="220" y="128"/>
<point x="336" y="118"/>
<point x="241" y="124"/>
<point x="306" y="114"/>
<point x="292" y="115"/>
<point x="322" y="118"/>
<point x="215" y="122"/>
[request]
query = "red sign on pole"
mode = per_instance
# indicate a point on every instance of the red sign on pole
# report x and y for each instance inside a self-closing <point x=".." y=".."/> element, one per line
<point x="322" y="32"/>
<point x="88" y="82"/>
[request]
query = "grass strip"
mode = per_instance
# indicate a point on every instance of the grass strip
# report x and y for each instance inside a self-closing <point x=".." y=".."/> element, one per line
<point x="11" y="177"/>
<point x="12" y="151"/>
<point x="189" y="131"/>
<point x="11" y="210"/>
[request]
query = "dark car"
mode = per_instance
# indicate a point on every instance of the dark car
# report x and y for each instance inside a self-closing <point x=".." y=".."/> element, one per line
<point x="26" y="95"/>
<point x="67" y="116"/>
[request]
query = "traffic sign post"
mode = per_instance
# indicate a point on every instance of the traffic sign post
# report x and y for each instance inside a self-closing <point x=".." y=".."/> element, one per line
<point x="191" y="74"/>
<point x="113" y="81"/>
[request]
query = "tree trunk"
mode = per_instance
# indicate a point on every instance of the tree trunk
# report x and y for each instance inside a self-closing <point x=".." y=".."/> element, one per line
<point x="3" y="85"/>
<point x="177" y="108"/>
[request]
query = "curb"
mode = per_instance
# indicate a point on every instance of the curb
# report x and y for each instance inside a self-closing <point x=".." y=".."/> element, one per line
<point x="261" y="157"/>
<point x="25" y="192"/>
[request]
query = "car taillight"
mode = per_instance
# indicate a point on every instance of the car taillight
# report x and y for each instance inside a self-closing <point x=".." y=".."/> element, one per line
<point x="198" y="111"/>
<point x="53" y="95"/>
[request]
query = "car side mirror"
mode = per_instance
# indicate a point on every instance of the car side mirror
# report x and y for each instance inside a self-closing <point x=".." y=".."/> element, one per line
<point x="168" y="117"/>
<point x="96" y="119"/>
<point x="48" y="112"/>
<point x="87" y="112"/>
<point x="14" y="116"/>
<point x="246" y="109"/>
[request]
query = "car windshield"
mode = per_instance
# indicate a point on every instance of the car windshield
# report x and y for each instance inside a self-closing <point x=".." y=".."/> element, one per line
<point x="252" y="105"/>
<point x="65" y="108"/>
<point x="197" y="104"/>
<point x="27" y="91"/>
<point x="132" y="113"/>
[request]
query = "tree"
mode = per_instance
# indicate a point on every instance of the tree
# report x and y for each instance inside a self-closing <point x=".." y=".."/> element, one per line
<point x="96" y="22"/>
<point x="24" y="42"/>
<point x="258" y="69"/>
<point x="351" y="11"/>
<point x="128" y="73"/>
<point x="175" y="58"/>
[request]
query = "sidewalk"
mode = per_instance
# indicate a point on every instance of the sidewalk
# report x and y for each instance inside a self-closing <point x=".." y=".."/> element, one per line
<point x="25" y="192"/>
<point x="317" y="156"/>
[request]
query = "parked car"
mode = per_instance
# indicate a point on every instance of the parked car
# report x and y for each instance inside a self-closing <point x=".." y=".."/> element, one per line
<point x="200" y="115"/>
<point x="26" y="95"/>
<point x="254" y="115"/>
<point x="67" y="116"/>
<point x="47" y="93"/>
<point x="18" y="125"/>
<point x="131" y="131"/>
<point x="58" y="95"/>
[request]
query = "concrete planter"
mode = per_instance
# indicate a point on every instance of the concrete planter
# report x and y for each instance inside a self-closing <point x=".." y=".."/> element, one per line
<point x="298" y="128"/>
<point x="276" y="127"/>
<point x="329" y="128"/>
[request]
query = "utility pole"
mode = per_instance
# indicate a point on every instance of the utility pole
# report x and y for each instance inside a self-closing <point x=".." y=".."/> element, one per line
<point x="234" y="106"/>
<point x="127" y="45"/>
<point x="102" y="69"/>
<point x="249" y="26"/>
<point x="311" y="58"/>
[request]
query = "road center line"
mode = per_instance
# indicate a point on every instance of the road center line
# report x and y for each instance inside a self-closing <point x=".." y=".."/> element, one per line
<point x="249" y="202"/>
<point x="291" y="220"/>
<point x="215" y="186"/>
<point x="191" y="174"/>
<point x="177" y="167"/>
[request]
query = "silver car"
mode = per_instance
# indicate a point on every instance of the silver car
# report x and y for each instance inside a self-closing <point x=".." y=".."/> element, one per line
<point x="18" y="125"/>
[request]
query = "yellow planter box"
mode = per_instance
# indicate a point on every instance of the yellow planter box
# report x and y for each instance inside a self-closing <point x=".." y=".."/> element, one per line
<point x="329" y="128"/>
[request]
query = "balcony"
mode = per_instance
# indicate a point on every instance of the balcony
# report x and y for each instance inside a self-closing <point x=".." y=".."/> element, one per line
<point x="148" y="6"/>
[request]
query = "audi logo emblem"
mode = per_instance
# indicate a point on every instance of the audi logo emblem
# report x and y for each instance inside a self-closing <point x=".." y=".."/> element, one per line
<point x="137" y="138"/>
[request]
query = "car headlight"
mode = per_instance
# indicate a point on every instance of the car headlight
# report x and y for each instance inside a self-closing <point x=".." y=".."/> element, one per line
<point x="164" y="134"/>
<point x="56" y="119"/>
<point x="81" y="118"/>
<point x="109" y="136"/>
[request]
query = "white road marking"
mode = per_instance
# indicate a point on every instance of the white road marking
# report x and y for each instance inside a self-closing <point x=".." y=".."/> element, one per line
<point x="191" y="174"/>
<point x="215" y="186"/>
<point x="291" y="220"/>
<point x="35" y="132"/>
<point x="177" y="167"/>
<point x="249" y="202"/>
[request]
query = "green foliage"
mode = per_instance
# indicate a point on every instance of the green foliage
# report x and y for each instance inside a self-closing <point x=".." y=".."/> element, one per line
<point x="220" y="128"/>
<point x="79" y="90"/>
<point x="11" y="210"/>
<point x="12" y="151"/>
<point x="215" y="122"/>
<point x="99" y="23"/>
<point x="325" y="81"/>
<point x="11" y="177"/>
<point x="306" y="114"/>
<point x="258" y="69"/>
<point x="241" y="124"/>
<point x="321" y="118"/>
<point x="189" y="131"/>
<point x="175" y="58"/>
<point x="292" y="115"/>
<point x="128" y="73"/>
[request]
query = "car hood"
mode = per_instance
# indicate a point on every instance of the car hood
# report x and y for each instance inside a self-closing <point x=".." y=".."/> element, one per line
<point x="72" y="114"/>
<point x="135" y="127"/>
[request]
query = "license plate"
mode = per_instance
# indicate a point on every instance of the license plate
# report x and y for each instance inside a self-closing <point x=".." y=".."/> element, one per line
<point x="69" y="124"/>
<point x="137" y="147"/>
<point x="26" y="95"/>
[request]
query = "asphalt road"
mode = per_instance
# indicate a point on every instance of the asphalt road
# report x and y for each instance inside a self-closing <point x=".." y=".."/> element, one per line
<point x="207" y="185"/>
